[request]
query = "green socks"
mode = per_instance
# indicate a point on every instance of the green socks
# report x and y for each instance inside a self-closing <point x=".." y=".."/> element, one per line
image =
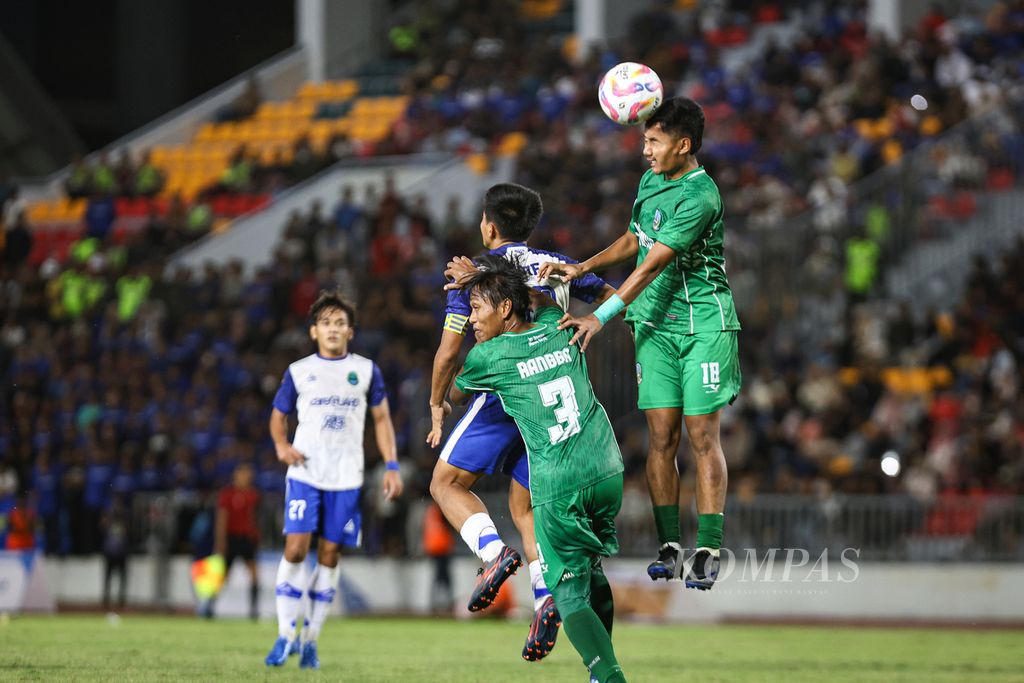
<point x="709" y="530"/>
<point x="666" y="520"/>
<point x="592" y="641"/>
<point x="601" y="600"/>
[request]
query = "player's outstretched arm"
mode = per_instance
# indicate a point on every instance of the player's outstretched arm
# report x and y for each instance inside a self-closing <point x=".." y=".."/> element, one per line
<point x="384" y="430"/>
<point x="619" y="251"/>
<point x="589" y="325"/>
<point x="286" y="453"/>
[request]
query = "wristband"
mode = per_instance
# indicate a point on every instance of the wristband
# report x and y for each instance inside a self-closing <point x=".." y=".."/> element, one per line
<point x="391" y="465"/>
<point x="609" y="309"/>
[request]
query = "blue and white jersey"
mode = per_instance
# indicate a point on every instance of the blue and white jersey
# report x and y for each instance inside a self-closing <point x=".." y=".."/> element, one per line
<point x="331" y="396"/>
<point x="585" y="288"/>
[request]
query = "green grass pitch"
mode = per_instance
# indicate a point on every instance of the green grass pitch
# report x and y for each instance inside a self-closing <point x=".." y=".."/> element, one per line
<point x="93" y="648"/>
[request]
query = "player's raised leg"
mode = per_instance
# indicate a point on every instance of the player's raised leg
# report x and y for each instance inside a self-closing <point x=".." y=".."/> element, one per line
<point x="712" y="482"/>
<point x="711" y="381"/>
<point x="450" y="487"/>
<point x="665" y="425"/>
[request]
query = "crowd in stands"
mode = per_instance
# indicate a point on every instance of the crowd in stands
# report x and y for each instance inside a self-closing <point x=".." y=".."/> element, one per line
<point x="123" y="377"/>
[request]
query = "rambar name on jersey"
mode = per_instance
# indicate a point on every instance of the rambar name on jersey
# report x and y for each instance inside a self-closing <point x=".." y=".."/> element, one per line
<point x="549" y="361"/>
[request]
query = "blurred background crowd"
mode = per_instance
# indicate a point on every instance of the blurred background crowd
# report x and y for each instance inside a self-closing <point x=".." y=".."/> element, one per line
<point x="125" y="375"/>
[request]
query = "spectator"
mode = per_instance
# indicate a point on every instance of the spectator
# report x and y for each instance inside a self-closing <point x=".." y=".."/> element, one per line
<point x="114" y="527"/>
<point x="237" y="531"/>
<point x="17" y="243"/>
<point x="21" y="525"/>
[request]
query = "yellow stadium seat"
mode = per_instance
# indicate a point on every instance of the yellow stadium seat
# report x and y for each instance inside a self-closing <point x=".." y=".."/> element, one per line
<point x="478" y="163"/>
<point x="511" y="144"/>
<point x="77" y="211"/>
<point x="309" y="89"/>
<point x="347" y="89"/>
<point x="206" y="132"/>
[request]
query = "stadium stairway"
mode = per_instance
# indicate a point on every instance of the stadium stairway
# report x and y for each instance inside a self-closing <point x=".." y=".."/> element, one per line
<point x="933" y="273"/>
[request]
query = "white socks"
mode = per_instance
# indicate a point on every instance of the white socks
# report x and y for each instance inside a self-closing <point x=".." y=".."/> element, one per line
<point x="323" y="585"/>
<point x="481" y="536"/>
<point x="540" y="589"/>
<point x="291" y="577"/>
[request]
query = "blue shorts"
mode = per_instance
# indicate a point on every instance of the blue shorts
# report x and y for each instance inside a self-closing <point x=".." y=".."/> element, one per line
<point x="486" y="439"/>
<point x="335" y="515"/>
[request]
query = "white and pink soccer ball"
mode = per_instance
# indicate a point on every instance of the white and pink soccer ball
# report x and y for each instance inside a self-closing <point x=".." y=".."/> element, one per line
<point x="630" y="92"/>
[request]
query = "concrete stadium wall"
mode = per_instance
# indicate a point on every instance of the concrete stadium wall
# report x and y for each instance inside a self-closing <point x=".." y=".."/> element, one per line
<point x="849" y="592"/>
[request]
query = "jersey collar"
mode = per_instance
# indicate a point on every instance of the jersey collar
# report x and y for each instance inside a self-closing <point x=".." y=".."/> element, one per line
<point x="500" y="251"/>
<point x="332" y="359"/>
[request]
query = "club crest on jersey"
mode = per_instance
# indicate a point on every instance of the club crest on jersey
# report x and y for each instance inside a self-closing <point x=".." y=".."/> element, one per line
<point x="639" y="374"/>
<point x="353" y="378"/>
<point x="656" y="223"/>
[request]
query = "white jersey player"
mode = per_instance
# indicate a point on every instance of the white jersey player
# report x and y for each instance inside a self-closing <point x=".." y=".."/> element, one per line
<point x="331" y="391"/>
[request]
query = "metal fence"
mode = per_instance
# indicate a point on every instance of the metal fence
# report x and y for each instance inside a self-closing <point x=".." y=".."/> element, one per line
<point x="886" y="528"/>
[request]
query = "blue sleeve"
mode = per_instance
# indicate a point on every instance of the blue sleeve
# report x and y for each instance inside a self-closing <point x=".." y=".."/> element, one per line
<point x="458" y="302"/>
<point x="286" y="396"/>
<point x="378" y="392"/>
<point x="456" y="318"/>
<point x="586" y="288"/>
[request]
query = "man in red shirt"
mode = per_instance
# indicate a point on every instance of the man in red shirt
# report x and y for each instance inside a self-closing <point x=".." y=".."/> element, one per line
<point x="237" y="533"/>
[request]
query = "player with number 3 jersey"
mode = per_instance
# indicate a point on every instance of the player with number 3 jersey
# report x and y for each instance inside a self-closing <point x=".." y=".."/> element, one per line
<point x="575" y="463"/>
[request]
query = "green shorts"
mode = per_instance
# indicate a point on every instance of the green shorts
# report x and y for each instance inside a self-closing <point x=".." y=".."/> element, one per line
<point x="699" y="373"/>
<point x="576" y="531"/>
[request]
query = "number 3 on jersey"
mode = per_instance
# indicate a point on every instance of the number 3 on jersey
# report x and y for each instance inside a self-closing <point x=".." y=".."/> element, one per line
<point x="561" y="391"/>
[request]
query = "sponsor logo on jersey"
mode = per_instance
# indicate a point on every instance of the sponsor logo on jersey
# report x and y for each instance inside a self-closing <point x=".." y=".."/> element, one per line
<point x="646" y="241"/>
<point x="335" y="401"/>
<point x="529" y="368"/>
<point x="311" y="378"/>
<point x="334" y="423"/>
<point x="353" y="378"/>
<point x="656" y="223"/>
<point x="539" y="339"/>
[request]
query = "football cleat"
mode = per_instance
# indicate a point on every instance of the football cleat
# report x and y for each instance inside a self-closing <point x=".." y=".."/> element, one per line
<point x="703" y="569"/>
<point x="492" y="575"/>
<point x="279" y="654"/>
<point x="543" y="632"/>
<point x="309" y="658"/>
<point x="669" y="564"/>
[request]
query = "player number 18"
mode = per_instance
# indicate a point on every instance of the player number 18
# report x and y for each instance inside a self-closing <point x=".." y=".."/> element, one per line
<point x="561" y="393"/>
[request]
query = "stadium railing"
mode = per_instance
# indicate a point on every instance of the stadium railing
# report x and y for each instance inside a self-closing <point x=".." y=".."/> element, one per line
<point x="880" y="528"/>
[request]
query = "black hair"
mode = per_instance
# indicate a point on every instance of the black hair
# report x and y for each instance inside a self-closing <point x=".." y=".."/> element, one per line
<point x="499" y="279"/>
<point x="681" y="117"/>
<point x="515" y="209"/>
<point x="331" y="299"/>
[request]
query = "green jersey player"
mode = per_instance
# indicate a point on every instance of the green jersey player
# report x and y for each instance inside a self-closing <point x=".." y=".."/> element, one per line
<point x="684" y="325"/>
<point x="575" y="464"/>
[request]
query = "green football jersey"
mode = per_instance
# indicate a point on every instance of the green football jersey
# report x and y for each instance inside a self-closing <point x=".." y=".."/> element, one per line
<point x="692" y="293"/>
<point x="543" y="385"/>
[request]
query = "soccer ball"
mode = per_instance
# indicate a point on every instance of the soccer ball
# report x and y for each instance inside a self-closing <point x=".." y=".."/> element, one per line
<point x="630" y="92"/>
